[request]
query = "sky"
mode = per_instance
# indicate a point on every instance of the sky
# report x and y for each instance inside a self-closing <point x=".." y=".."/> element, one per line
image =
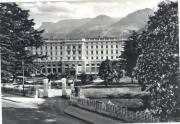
<point x="53" y="11"/>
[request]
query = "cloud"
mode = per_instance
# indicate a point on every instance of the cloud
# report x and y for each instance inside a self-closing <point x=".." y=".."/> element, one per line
<point x="54" y="11"/>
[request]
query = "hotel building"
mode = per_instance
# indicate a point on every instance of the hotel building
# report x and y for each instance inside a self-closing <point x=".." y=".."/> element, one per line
<point x="84" y="55"/>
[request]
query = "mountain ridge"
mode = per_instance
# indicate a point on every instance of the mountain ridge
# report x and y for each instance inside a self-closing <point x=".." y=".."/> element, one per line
<point x="100" y="26"/>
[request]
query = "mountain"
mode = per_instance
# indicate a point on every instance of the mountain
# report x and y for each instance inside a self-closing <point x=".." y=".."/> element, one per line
<point x="93" y="28"/>
<point x="61" y="28"/>
<point x="100" y="26"/>
<point x="134" y="21"/>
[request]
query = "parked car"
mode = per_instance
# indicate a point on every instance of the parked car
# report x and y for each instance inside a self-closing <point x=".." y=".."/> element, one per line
<point x="98" y="80"/>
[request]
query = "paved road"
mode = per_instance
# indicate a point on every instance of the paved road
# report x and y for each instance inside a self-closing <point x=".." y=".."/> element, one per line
<point x="20" y="113"/>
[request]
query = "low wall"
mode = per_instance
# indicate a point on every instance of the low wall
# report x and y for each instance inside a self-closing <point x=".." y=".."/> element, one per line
<point x="27" y="92"/>
<point x="112" y="110"/>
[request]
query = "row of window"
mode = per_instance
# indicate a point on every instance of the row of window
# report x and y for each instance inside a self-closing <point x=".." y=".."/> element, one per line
<point x="97" y="57"/>
<point x="59" y="70"/>
<point x="79" y="52"/>
<point x="74" y="58"/>
<point x="102" y="46"/>
<point x="97" y="52"/>
<point x="74" y="52"/>
<point x="46" y="47"/>
<point x="73" y="46"/>
<point x="108" y="42"/>
<point x="54" y="70"/>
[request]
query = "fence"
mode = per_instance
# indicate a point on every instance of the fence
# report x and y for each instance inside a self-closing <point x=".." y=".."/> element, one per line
<point x="112" y="110"/>
<point x="27" y="91"/>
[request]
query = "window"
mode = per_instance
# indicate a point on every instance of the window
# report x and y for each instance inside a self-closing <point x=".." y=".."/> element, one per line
<point x="101" y="57"/>
<point x="68" y="52"/>
<point x="111" y="51"/>
<point x="106" y="51"/>
<point x="59" y="69"/>
<point x="61" y="47"/>
<point x="91" y="52"/>
<point x="68" y="58"/>
<point x="74" y="58"/>
<point x="116" y="46"/>
<point x="79" y="46"/>
<point x="106" y="46"/>
<point x="79" y="64"/>
<point x="111" y="57"/>
<point x="101" y="52"/>
<point x="56" y="47"/>
<point x="116" y="51"/>
<point x="93" y="64"/>
<point x="96" y="46"/>
<point x="51" y="47"/>
<point x="43" y="70"/>
<point x="79" y="58"/>
<point x="74" y="47"/>
<point x="96" y="52"/>
<point x="49" y="70"/>
<point x="54" y="70"/>
<point x="61" y="53"/>
<point x="79" y="52"/>
<point x="68" y="47"/>
<point x="86" y="57"/>
<point x="111" y="46"/>
<point x="101" y="46"/>
<point x="87" y="47"/>
<point x="87" y="52"/>
<point x="96" y="57"/>
<point x="91" y="47"/>
<point x="74" y="52"/>
<point x="87" y="64"/>
<point x="92" y="58"/>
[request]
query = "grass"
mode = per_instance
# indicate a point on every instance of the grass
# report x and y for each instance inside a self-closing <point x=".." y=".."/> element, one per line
<point x="124" y="102"/>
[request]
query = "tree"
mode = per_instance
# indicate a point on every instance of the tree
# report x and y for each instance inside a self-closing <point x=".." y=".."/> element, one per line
<point x="17" y="37"/>
<point x="106" y="71"/>
<point x="158" y="64"/>
<point x="130" y="53"/>
<point x="117" y="70"/>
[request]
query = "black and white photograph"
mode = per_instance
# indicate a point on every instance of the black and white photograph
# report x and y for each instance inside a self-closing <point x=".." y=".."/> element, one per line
<point x="89" y="61"/>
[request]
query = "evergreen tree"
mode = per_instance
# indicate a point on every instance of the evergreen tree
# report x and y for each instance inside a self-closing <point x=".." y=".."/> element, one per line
<point x="106" y="71"/>
<point x="158" y="65"/>
<point x="17" y="36"/>
<point x="130" y="53"/>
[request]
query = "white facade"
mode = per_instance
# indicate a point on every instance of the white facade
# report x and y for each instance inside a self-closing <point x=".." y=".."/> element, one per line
<point x="85" y="55"/>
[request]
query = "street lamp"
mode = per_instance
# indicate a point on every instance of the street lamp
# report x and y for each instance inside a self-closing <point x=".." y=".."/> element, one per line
<point x="23" y="71"/>
<point x="23" y="76"/>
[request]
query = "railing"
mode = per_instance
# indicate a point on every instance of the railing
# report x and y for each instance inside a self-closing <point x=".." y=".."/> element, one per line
<point x="27" y="91"/>
<point x="112" y="110"/>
